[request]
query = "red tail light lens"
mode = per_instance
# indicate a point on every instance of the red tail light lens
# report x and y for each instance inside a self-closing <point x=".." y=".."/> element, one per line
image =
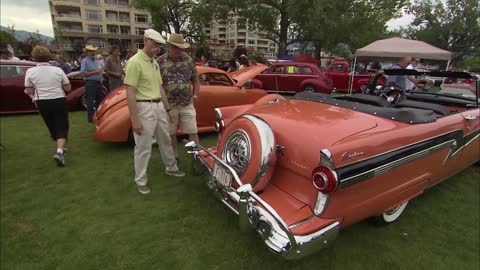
<point x="324" y="179"/>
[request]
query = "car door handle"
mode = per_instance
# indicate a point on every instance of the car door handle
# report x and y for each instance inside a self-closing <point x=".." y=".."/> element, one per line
<point x="469" y="117"/>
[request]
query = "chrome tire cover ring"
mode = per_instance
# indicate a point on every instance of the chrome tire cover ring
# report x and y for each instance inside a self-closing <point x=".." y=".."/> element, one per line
<point x="237" y="151"/>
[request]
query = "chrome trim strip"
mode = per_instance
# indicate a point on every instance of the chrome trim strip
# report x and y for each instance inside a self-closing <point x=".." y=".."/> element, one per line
<point x="300" y="222"/>
<point x="267" y="140"/>
<point x="473" y="139"/>
<point x="404" y="146"/>
<point x="290" y="75"/>
<point x="390" y="166"/>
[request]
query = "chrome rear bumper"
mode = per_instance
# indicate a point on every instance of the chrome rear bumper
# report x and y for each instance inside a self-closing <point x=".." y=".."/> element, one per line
<point x="254" y="212"/>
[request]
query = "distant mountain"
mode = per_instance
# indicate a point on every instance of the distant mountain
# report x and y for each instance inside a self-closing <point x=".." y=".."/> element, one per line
<point x="21" y="35"/>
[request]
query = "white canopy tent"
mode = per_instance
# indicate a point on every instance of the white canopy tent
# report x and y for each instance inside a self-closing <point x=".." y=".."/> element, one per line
<point x="398" y="48"/>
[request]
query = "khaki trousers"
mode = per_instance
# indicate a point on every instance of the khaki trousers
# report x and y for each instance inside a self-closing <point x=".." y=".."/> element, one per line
<point x="154" y="119"/>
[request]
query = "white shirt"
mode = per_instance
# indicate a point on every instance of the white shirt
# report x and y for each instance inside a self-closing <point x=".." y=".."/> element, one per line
<point x="47" y="81"/>
<point x="409" y="84"/>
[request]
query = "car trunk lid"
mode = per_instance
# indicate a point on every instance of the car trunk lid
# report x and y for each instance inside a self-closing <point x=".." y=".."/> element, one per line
<point x="312" y="122"/>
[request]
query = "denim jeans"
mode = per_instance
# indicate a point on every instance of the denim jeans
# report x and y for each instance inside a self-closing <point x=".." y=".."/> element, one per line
<point x="93" y="93"/>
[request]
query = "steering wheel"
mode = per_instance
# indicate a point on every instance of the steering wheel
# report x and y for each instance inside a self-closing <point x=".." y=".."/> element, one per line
<point x="393" y="93"/>
<point x="372" y="88"/>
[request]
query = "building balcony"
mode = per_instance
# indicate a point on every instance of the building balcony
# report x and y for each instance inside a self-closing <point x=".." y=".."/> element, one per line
<point x="118" y="7"/>
<point x="67" y="3"/>
<point x="68" y="18"/>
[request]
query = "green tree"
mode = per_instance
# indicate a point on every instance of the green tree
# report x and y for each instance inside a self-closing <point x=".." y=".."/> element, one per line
<point x="171" y="16"/>
<point x="8" y="38"/>
<point x="271" y="19"/>
<point x="451" y="25"/>
<point x="352" y="22"/>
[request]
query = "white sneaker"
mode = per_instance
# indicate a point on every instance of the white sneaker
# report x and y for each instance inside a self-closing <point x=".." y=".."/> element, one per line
<point x="177" y="173"/>
<point x="143" y="189"/>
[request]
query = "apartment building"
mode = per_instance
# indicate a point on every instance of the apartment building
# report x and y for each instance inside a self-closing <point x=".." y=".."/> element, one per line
<point x="225" y="37"/>
<point x="101" y="23"/>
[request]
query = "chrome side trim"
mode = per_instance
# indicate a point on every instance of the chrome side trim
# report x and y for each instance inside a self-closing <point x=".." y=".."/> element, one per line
<point x="267" y="140"/>
<point x="390" y="166"/>
<point x="404" y="146"/>
<point x="471" y="140"/>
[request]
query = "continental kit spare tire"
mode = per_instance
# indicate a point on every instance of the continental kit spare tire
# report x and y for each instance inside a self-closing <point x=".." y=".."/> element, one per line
<point x="248" y="146"/>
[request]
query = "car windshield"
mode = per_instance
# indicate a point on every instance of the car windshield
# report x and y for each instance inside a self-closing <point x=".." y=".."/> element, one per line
<point x="215" y="79"/>
<point x="467" y="90"/>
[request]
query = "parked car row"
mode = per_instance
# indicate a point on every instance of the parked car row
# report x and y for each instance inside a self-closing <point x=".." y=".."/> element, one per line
<point x="12" y="86"/>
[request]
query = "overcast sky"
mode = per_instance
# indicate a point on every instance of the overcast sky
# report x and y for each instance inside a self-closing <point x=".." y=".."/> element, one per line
<point x="30" y="15"/>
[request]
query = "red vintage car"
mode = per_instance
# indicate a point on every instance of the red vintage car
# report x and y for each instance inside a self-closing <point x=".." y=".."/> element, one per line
<point x="300" y="170"/>
<point x="12" y="86"/>
<point x="339" y="72"/>
<point x="292" y="77"/>
<point x="217" y="89"/>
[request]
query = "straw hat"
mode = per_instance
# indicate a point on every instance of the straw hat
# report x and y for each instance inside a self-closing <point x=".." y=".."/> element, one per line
<point x="154" y="35"/>
<point x="89" y="48"/>
<point x="178" y="41"/>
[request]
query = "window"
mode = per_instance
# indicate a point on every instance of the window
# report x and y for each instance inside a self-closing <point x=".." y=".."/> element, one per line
<point x="215" y="79"/>
<point x="336" y="68"/>
<point x="13" y="71"/>
<point x="93" y="14"/>
<point x="112" y="16"/>
<point x="99" y="43"/>
<point x="307" y="70"/>
<point x="252" y="42"/>
<point x="112" y="29"/>
<point x="139" y="31"/>
<point x="95" y="28"/>
<point x="292" y="69"/>
<point x="139" y="45"/>
<point x="278" y="69"/>
<point x="124" y="17"/>
<point x="92" y="2"/>
<point x="141" y="18"/>
<point x="125" y="30"/>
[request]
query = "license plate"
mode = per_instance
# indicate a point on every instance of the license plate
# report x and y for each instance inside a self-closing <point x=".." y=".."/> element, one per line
<point x="222" y="175"/>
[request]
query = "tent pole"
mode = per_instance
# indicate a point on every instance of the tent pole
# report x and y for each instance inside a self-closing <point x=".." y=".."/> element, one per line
<point x="352" y="72"/>
<point x="448" y="64"/>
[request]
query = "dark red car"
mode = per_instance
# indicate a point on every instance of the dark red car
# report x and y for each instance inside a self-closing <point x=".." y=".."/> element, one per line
<point x="12" y="86"/>
<point x="293" y="77"/>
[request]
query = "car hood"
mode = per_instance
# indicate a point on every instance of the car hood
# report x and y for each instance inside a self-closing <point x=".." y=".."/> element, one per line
<point x="311" y="123"/>
<point x="113" y="98"/>
<point x="243" y="75"/>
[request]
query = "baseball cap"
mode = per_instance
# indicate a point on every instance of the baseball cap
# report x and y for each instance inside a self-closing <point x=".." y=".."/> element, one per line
<point x="154" y="35"/>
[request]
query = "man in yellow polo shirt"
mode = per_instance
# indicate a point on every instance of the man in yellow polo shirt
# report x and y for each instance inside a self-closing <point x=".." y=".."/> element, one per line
<point x="149" y="110"/>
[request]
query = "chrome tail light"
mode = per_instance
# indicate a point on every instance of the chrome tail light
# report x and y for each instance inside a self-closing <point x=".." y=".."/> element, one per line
<point x="325" y="180"/>
<point x="219" y="124"/>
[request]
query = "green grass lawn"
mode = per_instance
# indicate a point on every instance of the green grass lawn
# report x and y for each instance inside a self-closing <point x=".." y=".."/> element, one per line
<point x="89" y="215"/>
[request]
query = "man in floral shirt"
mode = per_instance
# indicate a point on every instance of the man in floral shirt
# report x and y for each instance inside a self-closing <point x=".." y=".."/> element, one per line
<point x="179" y="74"/>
